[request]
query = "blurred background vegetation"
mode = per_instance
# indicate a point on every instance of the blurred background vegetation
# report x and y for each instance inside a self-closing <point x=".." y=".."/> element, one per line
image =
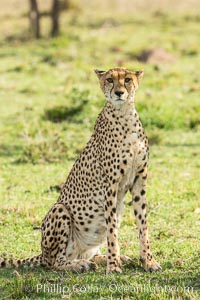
<point x="51" y="80"/>
<point x="50" y="99"/>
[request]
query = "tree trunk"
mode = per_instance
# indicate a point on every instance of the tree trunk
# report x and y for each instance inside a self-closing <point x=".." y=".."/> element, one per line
<point x="55" y="18"/>
<point x="34" y="19"/>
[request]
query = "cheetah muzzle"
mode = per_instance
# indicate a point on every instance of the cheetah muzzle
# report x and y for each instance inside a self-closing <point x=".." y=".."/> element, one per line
<point x="89" y="209"/>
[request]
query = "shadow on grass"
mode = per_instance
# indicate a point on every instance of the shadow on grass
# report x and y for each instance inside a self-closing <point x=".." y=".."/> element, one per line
<point x="62" y="113"/>
<point x="178" y="282"/>
<point x="172" y="281"/>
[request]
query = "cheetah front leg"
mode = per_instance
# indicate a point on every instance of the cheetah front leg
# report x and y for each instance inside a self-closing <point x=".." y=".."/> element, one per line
<point x="138" y="192"/>
<point x="113" y="252"/>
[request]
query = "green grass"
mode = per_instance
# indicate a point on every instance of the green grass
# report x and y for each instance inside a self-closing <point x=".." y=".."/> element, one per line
<point x="50" y="99"/>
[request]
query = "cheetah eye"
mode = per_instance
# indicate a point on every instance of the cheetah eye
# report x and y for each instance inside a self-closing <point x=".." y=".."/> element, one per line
<point x="110" y="80"/>
<point x="127" y="80"/>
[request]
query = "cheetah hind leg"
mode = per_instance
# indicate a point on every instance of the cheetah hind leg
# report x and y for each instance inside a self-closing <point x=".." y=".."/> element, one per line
<point x="75" y="265"/>
<point x="57" y="240"/>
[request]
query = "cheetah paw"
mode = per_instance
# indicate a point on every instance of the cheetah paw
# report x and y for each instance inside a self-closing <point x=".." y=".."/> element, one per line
<point x="82" y="266"/>
<point x="113" y="269"/>
<point x="99" y="259"/>
<point x="150" y="265"/>
<point x="126" y="259"/>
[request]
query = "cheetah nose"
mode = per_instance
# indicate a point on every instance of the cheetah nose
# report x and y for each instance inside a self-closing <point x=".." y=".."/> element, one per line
<point x="119" y="93"/>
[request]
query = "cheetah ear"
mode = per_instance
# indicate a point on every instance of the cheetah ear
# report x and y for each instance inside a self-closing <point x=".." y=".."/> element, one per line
<point x="139" y="74"/>
<point x="99" y="73"/>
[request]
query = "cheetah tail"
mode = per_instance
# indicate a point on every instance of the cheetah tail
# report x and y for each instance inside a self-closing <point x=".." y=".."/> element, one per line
<point x="32" y="262"/>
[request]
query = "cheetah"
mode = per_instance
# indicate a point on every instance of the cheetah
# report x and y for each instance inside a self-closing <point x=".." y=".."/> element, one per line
<point x="89" y="209"/>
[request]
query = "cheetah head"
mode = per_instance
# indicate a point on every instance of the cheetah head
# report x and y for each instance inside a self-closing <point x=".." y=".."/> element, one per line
<point x="119" y="84"/>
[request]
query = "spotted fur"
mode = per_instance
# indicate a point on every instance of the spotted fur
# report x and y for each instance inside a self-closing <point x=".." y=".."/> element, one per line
<point x="89" y="209"/>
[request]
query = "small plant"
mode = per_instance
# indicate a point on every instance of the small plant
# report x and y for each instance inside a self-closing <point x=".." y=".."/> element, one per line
<point x="42" y="149"/>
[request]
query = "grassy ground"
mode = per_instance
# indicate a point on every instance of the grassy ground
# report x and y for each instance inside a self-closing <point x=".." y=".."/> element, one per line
<point x="49" y="99"/>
